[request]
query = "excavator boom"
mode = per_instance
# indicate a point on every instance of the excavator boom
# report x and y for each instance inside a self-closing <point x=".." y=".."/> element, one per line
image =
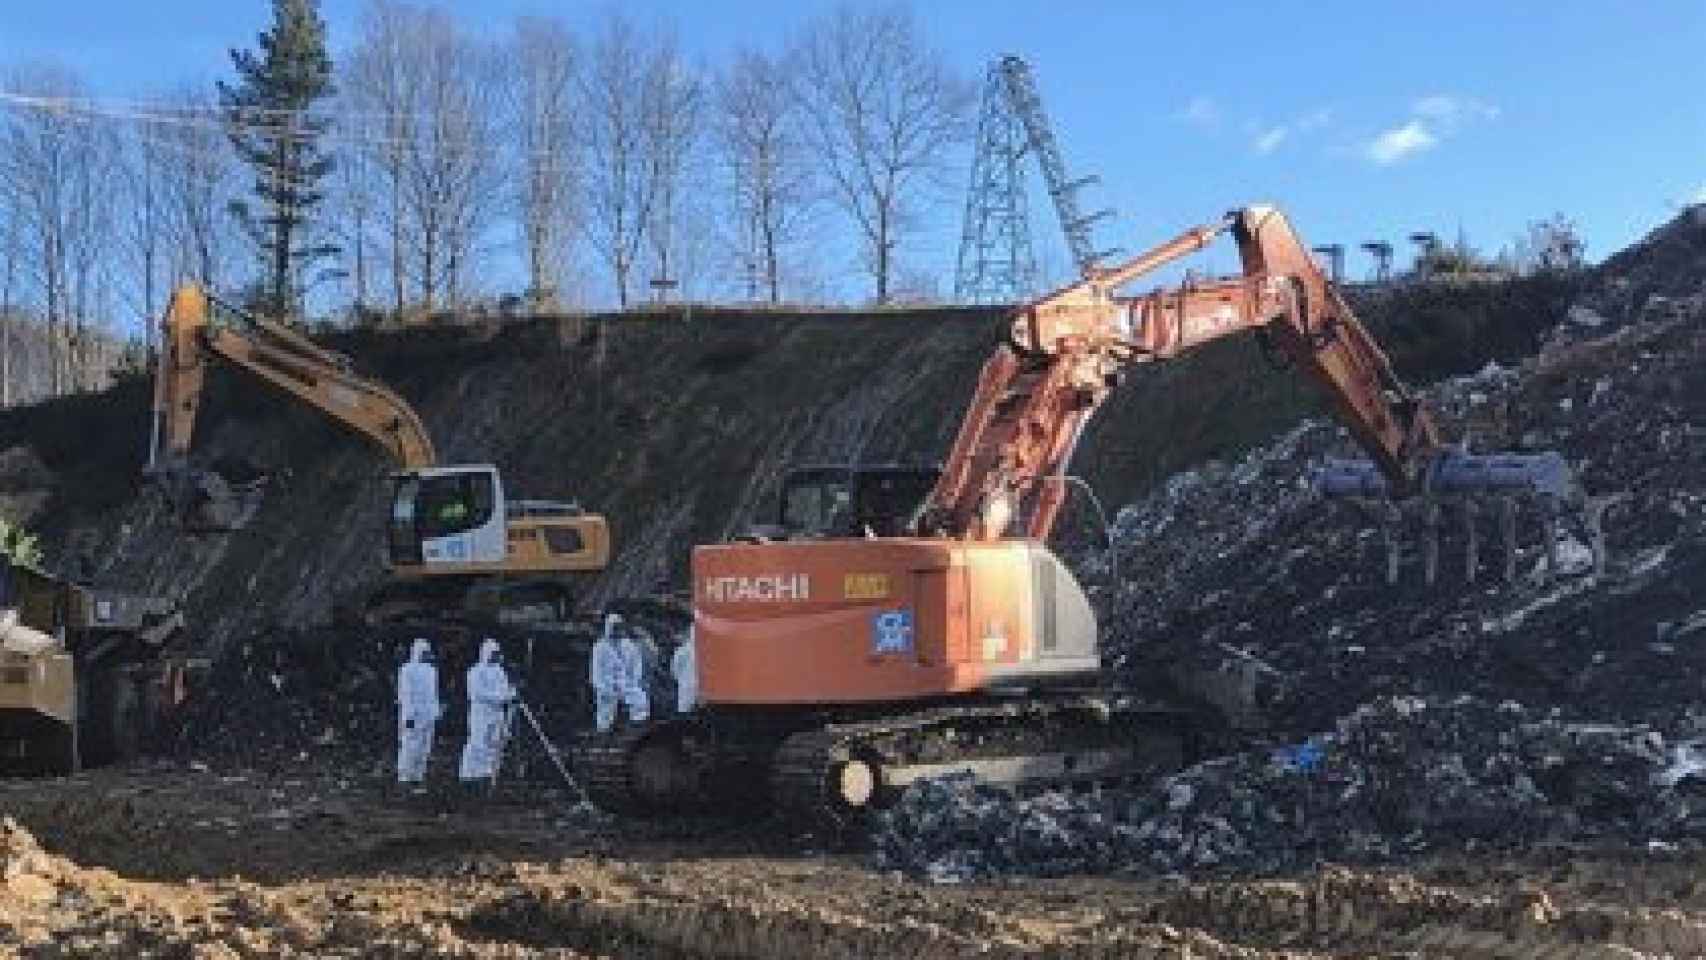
<point x="1005" y="473"/>
<point x="194" y="334"/>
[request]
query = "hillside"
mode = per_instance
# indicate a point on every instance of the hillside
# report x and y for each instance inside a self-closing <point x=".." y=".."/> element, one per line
<point x="675" y="425"/>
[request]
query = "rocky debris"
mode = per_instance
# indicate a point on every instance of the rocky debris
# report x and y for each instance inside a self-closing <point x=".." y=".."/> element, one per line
<point x="327" y="697"/>
<point x="1241" y="562"/>
<point x="1394" y="779"/>
<point x="25" y="484"/>
<point x="26" y="871"/>
<point x="1238" y="570"/>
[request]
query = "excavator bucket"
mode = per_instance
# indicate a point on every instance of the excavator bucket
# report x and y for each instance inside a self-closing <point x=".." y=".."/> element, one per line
<point x="1473" y="492"/>
<point x="204" y="501"/>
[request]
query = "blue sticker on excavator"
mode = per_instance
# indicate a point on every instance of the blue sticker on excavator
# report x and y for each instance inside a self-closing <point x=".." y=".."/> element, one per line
<point x="891" y="631"/>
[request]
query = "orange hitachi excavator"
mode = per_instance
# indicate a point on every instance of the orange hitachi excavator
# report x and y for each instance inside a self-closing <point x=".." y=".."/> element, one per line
<point x="457" y="545"/>
<point x="903" y="623"/>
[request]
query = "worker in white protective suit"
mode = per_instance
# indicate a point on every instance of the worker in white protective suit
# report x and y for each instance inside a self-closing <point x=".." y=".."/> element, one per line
<point x="684" y="666"/>
<point x="418" y="711"/>
<point x="618" y="673"/>
<point x="490" y="695"/>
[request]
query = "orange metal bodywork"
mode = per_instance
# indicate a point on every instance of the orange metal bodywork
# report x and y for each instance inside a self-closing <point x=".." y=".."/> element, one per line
<point x="799" y="622"/>
<point x="1005" y="477"/>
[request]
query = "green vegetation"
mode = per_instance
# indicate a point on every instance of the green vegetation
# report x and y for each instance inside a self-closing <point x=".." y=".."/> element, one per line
<point x="18" y="545"/>
<point x="269" y="112"/>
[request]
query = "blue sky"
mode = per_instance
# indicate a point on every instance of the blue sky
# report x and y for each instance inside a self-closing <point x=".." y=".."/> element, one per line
<point x="1363" y="120"/>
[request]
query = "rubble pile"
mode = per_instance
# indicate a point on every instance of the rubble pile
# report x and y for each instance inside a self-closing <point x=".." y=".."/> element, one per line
<point x="1241" y="569"/>
<point x="276" y="699"/>
<point x="322" y="695"/>
<point x="1243" y="561"/>
<point x="1397" y="777"/>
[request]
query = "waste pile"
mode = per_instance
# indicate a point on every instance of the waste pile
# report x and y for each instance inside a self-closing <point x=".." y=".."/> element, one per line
<point x="1243" y="562"/>
<point x="1396" y="778"/>
<point x="328" y="694"/>
<point x="1241" y="569"/>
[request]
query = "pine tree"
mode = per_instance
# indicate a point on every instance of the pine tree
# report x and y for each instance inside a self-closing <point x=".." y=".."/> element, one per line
<point x="270" y="118"/>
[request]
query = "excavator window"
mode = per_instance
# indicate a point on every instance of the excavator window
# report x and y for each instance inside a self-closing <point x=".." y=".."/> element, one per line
<point x="453" y="503"/>
<point x="815" y="507"/>
<point x="853" y="501"/>
<point x="564" y="540"/>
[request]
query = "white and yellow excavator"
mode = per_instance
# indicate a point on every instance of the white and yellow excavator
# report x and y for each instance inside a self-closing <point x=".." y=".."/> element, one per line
<point x="458" y="546"/>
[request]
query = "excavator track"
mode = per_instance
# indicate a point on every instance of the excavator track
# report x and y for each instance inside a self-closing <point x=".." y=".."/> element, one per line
<point x="827" y="772"/>
<point x="831" y="779"/>
<point x="677" y="766"/>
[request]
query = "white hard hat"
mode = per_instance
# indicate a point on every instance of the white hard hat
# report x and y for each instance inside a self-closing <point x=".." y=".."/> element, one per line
<point x="419" y="649"/>
<point x="488" y="649"/>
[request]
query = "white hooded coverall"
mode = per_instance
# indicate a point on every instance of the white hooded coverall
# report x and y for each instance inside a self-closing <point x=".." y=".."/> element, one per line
<point x="417" y="713"/>
<point x="684" y="666"/>
<point x="489" y="697"/>
<point x="618" y="673"/>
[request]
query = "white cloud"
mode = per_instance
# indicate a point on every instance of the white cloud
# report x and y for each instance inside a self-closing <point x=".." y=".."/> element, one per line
<point x="1433" y="119"/>
<point x="1699" y="195"/>
<point x="1265" y="140"/>
<point x="1202" y="111"/>
<point x="1399" y="142"/>
<point x="1315" y="120"/>
<point x="1271" y="138"/>
<point x="1450" y="110"/>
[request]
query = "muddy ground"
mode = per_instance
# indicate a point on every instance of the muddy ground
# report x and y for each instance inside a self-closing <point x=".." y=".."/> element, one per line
<point x="180" y="860"/>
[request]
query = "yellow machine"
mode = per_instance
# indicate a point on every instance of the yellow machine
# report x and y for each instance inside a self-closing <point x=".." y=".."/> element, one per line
<point x="85" y="674"/>
<point x="458" y="545"/>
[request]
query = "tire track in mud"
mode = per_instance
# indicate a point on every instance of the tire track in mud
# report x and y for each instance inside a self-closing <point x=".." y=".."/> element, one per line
<point x="1342" y="909"/>
<point x="367" y="877"/>
<point x="739" y="908"/>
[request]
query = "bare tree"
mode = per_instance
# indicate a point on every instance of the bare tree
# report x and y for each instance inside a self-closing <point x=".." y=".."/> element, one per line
<point x="769" y="168"/>
<point x="379" y="88"/>
<point x="94" y="190"/>
<point x="144" y="219"/>
<point x="1553" y="245"/>
<point x="58" y="165"/>
<point x="884" y="114"/>
<point x="451" y="167"/>
<point x="670" y="105"/>
<point x="619" y="187"/>
<point x="11" y="232"/>
<point x="423" y="99"/>
<point x="199" y="186"/>
<point x="542" y="104"/>
<point x="356" y="204"/>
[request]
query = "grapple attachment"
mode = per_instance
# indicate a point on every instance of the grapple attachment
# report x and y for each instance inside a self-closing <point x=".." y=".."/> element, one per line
<point x="1505" y="486"/>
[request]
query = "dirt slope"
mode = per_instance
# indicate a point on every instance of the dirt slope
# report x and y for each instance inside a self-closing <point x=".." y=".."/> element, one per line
<point x="675" y="425"/>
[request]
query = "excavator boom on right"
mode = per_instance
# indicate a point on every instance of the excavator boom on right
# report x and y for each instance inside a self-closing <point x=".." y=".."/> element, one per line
<point x="901" y="623"/>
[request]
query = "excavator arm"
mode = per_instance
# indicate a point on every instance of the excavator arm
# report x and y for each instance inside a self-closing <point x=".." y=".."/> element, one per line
<point x="1067" y="350"/>
<point x="194" y="334"/>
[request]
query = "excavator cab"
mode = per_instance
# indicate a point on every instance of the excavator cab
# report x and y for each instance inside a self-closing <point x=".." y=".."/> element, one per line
<point x="447" y="515"/>
<point x="881" y="500"/>
<point x="456" y="521"/>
